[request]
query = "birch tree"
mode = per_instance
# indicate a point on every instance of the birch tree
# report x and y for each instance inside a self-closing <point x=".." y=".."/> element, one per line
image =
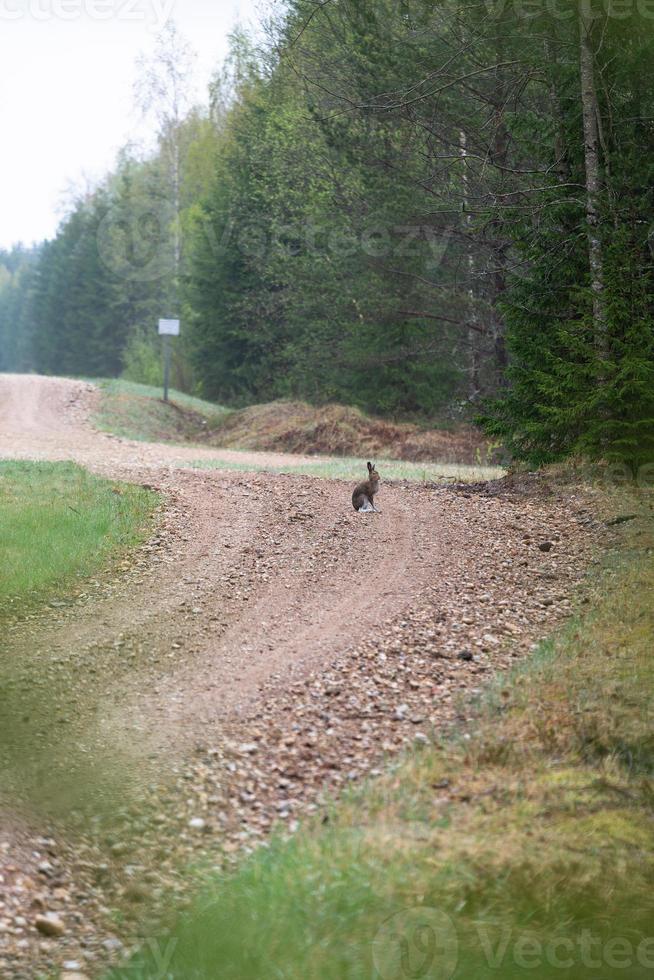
<point x="164" y="90"/>
<point x="591" y="127"/>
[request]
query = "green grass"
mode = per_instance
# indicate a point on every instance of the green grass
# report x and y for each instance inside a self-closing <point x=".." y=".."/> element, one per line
<point x="352" y="469"/>
<point x="117" y="386"/>
<point x="135" y="411"/>
<point x="58" y="523"/>
<point x="525" y="842"/>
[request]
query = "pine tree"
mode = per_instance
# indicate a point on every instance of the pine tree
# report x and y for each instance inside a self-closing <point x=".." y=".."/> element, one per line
<point x="580" y="319"/>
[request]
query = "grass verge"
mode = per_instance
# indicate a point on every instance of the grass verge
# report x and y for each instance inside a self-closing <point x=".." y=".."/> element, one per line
<point x="520" y="848"/>
<point x="58" y="523"/>
<point x="135" y="411"/>
<point x="353" y="469"/>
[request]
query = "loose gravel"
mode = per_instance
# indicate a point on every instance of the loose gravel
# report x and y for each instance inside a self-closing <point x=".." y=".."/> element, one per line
<point x="265" y="649"/>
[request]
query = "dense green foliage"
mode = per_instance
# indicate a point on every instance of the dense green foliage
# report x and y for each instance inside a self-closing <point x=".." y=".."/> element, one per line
<point x="17" y="272"/>
<point x="582" y="374"/>
<point x="419" y="208"/>
<point x="301" y="298"/>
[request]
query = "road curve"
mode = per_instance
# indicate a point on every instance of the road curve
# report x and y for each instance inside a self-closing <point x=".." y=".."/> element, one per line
<point x="249" y="577"/>
<point x="266" y="646"/>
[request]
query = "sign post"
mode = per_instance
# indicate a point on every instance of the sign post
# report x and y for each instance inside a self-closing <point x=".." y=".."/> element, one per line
<point x="168" y="329"/>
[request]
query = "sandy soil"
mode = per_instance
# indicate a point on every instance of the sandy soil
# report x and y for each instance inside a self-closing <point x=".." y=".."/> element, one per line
<point x="266" y="645"/>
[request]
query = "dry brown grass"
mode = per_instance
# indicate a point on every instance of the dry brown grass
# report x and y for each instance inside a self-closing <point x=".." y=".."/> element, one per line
<point x="137" y="412"/>
<point x="336" y="430"/>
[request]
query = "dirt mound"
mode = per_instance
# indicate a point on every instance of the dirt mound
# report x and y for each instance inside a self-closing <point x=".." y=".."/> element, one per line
<point x="336" y="430"/>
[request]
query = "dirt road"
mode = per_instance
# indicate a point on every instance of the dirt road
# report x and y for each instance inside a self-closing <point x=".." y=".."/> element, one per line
<point x="249" y="575"/>
<point x="266" y="645"/>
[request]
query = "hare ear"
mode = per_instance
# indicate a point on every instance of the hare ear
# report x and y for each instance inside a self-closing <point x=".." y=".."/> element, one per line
<point x="370" y="467"/>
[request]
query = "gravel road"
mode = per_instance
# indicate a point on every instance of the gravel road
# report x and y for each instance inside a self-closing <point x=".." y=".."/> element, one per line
<point x="265" y="647"/>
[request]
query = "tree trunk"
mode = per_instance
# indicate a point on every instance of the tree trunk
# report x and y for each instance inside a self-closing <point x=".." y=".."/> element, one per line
<point x="560" y="148"/>
<point x="177" y="198"/>
<point x="499" y="156"/>
<point x="474" y="386"/>
<point x="590" y="109"/>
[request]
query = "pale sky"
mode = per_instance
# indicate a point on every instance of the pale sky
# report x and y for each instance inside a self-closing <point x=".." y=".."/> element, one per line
<point x="67" y="69"/>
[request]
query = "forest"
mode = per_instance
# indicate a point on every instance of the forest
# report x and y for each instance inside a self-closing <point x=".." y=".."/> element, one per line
<point x="430" y="209"/>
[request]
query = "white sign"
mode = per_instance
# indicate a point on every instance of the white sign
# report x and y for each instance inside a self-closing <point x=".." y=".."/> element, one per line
<point x="169" y="328"/>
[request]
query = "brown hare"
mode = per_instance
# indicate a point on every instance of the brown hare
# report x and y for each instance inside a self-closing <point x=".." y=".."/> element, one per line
<point x="363" y="498"/>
